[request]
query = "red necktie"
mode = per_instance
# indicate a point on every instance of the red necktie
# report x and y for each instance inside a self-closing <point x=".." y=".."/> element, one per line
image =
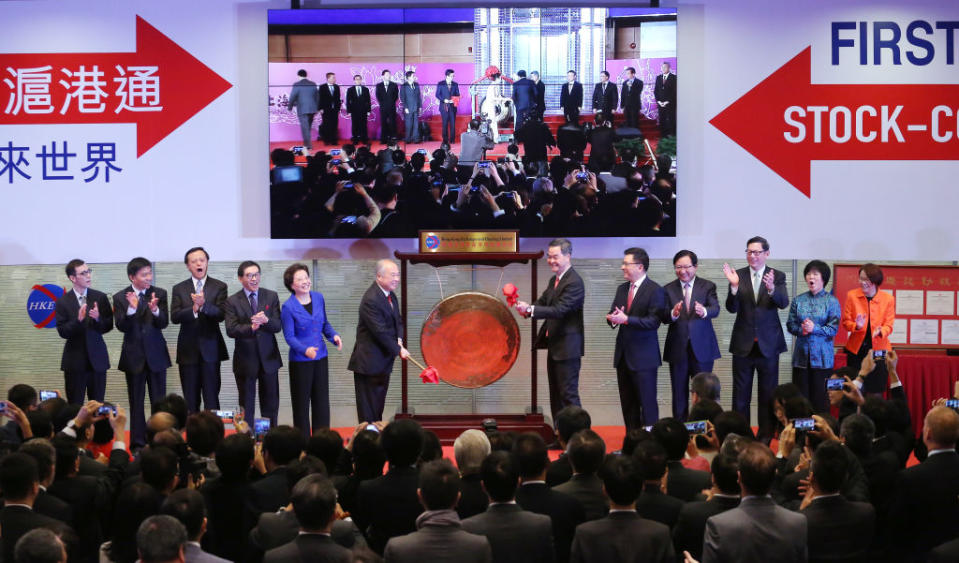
<point x="389" y="299"/>
<point x="629" y="299"/>
<point x="556" y="283"/>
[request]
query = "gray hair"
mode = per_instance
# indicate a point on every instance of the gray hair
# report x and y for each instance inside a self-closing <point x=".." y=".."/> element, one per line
<point x="470" y="449"/>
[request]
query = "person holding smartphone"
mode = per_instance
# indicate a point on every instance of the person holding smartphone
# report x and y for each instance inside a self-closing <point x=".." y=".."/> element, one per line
<point x="868" y="314"/>
<point x="304" y="327"/>
<point x="814" y="321"/>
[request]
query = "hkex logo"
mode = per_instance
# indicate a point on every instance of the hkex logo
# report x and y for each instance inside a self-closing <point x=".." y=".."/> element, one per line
<point x="41" y="303"/>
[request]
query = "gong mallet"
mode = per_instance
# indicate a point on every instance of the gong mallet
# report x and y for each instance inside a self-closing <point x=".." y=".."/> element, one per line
<point x="428" y="375"/>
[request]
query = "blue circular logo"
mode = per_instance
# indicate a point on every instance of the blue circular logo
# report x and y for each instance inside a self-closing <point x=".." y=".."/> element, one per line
<point x="41" y="303"/>
<point x="432" y="242"/>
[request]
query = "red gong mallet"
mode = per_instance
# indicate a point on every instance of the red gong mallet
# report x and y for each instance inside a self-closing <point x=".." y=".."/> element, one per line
<point x="428" y="375"/>
<point x="511" y="293"/>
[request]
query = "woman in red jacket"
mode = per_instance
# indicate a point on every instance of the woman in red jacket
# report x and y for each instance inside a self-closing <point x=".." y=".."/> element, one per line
<point x="868" y="315"/>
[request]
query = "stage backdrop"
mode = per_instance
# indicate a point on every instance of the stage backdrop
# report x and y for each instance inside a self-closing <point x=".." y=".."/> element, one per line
<point x="646" y="70"/>
<point x="284" y="125"/>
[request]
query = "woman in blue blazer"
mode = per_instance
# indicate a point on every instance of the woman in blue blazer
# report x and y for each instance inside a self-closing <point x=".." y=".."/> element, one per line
<point x="304" y="326"/>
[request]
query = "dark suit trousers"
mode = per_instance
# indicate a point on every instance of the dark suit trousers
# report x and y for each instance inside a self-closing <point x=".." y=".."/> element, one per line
<point x="370" y="396"/>
<point x="359" y="127"/>
<point x="80" y="383"/>
<point x="412" y="122"/>
<point x="667" y="119"/>
<point x="571" y="114"/>
<point x="521" y="116"/>
<point x="306" y="124"/>
<point x="563" y="376"/>
<point x="679" y="375"/>
<point x="812" y="384"/>
<point x="269" y="395"/>
<point x="449" y="124"/>
<point x="632" y="115"/>
<point x="200" y="380"/>
<point x="387" y="123"/>
<point x="768" y="370"/>
<point x="310" y="392"/>
<point x="637" y="396"/>
<point x="136" y="391"/>
<point x="329" y="129"/>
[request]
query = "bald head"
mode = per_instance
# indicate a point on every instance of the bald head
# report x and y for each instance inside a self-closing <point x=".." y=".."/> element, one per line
<point x="941" y="428"/>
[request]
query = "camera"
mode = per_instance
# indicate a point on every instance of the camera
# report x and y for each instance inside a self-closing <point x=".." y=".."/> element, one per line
<point x="349" y="220"/>
<point x="834" y="384"/>
<point x="484" y="164"/>
<point x="44" y="395"/>
<point x="335" y="152"/>
<point x="696" y="427"/>
<point x="336" y="162"/>
<point x="372" y="428"/>
<point x="582" y="176"/>
<point x="421" y="151"/>
<point x="226" y="415"/>
<point x="509" y="195"/>
<point x="952" y="403"/>
<point x="3" y="406"/>
<point x="474" y="189"/>
<point x="106" y="410"/>
<point x="804" y="424"/>
<point x="348" y="186"/>
<point x="297" y="151"/>
<point x="260" y="427"/>
<point x="879" y="354"/>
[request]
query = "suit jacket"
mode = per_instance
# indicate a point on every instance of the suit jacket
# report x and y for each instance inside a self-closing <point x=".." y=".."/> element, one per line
<point x="559" y="470"/>
<point x="200" y="339"/>
<point x="756" y="530"/>
<point x="564" y="512"/>
<point x="514" y="534"/>
<point x="945" y="553"/>
<point x="51" y="506"/>
<point x="315" y="548"/>
<point x="653" y="504"/>
<point x="143" y="344"/>
<point x="358" y="105"/>
<point x="540" y="89"/>
<point x="924" y="511"/>
<point x="304" y="97"/>
<point x="438" y="544"/>
<point x="275" y="529"/>
<point x="268" y="494"/>
<point x="631" y="95"/>
<point x="605" y="102"/>
<point x="473" y="498"/>
<point x="446" y="92"/>
<point x="253" y="349"/>
<point x="602" y="155"/>
<point x="571" y="100"/>
<point x="524" y="94"/>
<point x="388" y="506"/>
<point x="757" y="320"/>
<point x="330" y="101"/>
<point x="411" y="97"/>
<point x="377" y="332"/>
<point x="386" y="96"/>
<point x="15" y="521"/>
<point x="665" y="90"/>
<point x="839" y="530"/>
<point x="637" y="343"/>
<point x="689" y="328"/>
<point x="689" y="528"/>
<point x="684" y="483"/>
<point x="225" y="517"/>
<point x="623" y="537"/>
<point x="588" y="490"/>
<point x="562" y="307"/>
<point x="84" y="347"/>
<point x="302" y="329"/>
<point x="193" y="553"/>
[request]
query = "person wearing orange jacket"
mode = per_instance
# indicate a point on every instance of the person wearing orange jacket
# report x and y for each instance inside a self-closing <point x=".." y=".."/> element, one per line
<point x="868" y="314"/>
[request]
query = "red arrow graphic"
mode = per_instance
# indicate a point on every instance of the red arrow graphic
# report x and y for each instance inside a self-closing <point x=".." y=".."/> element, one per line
<point x="184" y="86"/>
<point x="856" y="121"/>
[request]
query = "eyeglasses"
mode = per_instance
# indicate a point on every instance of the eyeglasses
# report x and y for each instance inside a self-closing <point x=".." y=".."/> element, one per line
<point x="255" y="276"/>
<point x="83" y="273"/>
<point x="756" y="252"/>
<point x="684" y="266"/>
<point x="630" y="263"/>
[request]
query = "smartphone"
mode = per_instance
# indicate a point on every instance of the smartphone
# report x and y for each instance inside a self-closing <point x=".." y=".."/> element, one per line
<point x="335" y="152"/>
<point x="336" y="161"/>
<point x="952" y="403"/>
<point x="260" y="427"/>
<point x="348" y="186"/>
<point x="474" y="189"/>
<point x="298" y="150"/>
<point x="372" y="428"/>
<point x="509" y="195"/>
<point x="107" y="410"/>
<point x="452" y="189"/>
<point x="696" y="427"/>
<point x="878" y="354"/>
<point x="226" y="415"/>
<point x="804" y="424"/>
<point x="421" y="151"/>
<point x="349" y="220"/>
<point x="44" y="395"/>
<point x="648" y="428"/>
<point x="582" y="176"/>
<point x="834" y="384"/>
<point x="3" y="406"/>
<point x="484" y="164"/>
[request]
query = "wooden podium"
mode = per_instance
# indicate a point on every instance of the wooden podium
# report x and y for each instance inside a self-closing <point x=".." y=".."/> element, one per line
<point x="449" y="426"/>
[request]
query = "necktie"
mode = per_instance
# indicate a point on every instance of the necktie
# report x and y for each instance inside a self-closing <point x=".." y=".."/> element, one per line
<point x="389" y="299"/>
<point x="604" y="88"/>
<point x="556" y="282"/>
<point x="757" y="277"/>
<point x="83" y="300"/>
<point x="331" y="88"/>
<point x="358" y="91"/>
<point x="632" y="294"/>
<point x="199" y="286"/>
<point x="687" y="294"/>
<point x="253" y="303"/>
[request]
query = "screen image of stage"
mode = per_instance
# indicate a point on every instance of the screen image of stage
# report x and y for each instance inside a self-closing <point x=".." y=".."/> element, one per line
<point x="559" y="148"/>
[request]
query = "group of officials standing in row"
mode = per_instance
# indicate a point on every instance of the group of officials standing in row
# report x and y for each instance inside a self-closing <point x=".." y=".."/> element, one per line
<point x="528" y="97"/>
<point x="253" y="317"/>
<point x="687" y="306"/>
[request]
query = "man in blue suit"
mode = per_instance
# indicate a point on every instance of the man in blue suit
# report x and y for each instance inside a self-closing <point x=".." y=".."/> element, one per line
<point x="448" y="92"/>
<point x="412" y="102"/>
<point x="755" y="295"/>
<point x="524" y="97"/>
<point x="636" y="311"/>
<point x="305" y="98"/>
<point x="571" y="98"/>
<point x="83" y="316"/>
<point x="691" y="304"/>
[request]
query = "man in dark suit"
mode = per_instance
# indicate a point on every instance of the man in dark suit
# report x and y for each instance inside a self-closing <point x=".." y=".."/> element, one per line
<point x="586" y="451"/>
<point x="186" y="505"/>
<point x="282" y="445"/>
<point x="196" y="305"/>
<point x="571" y="98"/>
<point x="605" y="96"/>
<point x="141" y="315"/>
<point x="924" y="510"/>
<point x="839" y="529"/>
<point x="83" y="316"/>
<point x="665" y="93"/>
<point x="438" y="537"/>
<point x="689" y="528"/>
<point x="691" y="345"/>
<point x="387" y="93"/>
<point x="758" y="529"/>
<point x="624" y="535"/>
<point x="304" y="98"/>
<point x="757" y="337"/>
<point x="682" y="483"/>
<point x="314" y="502"/>
<point x="514" y="534"/>
<point x="20" y="484"/>
<point x="330" y="103"/>
<point x="540" y="87"/>
<point x="358" y="105"/>
<point x="561" y="304"/>
<point x="252" y="318"/>
<point x="602" y="155"/>
<point x="631" y="99"/>
<point x="43" y="452"/>
<point x="654" y="503"/>
<point x="568" y="421"/>
<point x="565" y="513"/>
<point x="378" y="342"/>
<point x="524" y="98"/>
<point x="636" y="312"/>
<point x="448" y="93"/>
<point x="388" y="505"/>
<point x="412" y="101"/>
